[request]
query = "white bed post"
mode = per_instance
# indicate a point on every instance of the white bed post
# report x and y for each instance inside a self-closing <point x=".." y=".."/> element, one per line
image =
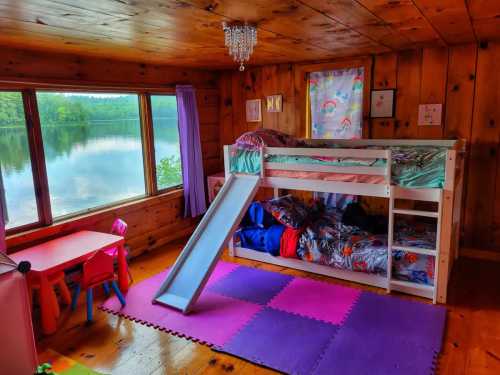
<point x="390" y="235"/>
<point x="438" y="247"/>
<point x="390" y="231"/>
<point x="447" y="194"/>
<point x="227" y="173"/>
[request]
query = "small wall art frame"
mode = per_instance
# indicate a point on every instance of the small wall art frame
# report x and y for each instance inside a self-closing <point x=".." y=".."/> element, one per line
<point x="430" y="114"/>
<point x="383" y="103"/>
<point x="254" y="110"/>
<point x="274" y="103"/>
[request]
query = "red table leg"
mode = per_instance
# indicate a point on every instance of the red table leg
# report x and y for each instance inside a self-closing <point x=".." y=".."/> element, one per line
<point x="47" y="296"/>
<point x="122" y="270"/>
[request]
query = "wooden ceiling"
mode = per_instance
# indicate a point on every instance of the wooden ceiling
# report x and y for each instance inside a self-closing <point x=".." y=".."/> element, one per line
<point x="189" y="33"/>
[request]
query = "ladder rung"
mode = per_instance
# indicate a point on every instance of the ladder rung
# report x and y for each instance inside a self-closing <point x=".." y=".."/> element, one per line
<point x="409" y="284"/>
<point x="415" y="212"/>
<point x="417" y="250"/>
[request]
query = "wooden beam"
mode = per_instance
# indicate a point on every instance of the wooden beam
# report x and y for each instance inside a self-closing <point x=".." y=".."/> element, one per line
<point x="37" y="155"/>
<point x="148" y="147"/>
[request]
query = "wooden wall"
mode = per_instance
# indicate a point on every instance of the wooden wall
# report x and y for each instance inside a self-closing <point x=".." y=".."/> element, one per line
<point x="152" y="221"/>
<point x="464" y="78"/>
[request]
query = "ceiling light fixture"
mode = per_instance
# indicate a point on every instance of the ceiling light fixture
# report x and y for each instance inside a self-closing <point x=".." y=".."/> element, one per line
<point x="240" y="39"/>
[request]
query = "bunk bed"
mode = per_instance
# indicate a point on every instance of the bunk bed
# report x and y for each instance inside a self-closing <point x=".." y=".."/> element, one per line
<point x="363" y="168"/>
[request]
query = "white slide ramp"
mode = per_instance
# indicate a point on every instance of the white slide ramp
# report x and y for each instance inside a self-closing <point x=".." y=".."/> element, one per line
<point x="197" y="260"/>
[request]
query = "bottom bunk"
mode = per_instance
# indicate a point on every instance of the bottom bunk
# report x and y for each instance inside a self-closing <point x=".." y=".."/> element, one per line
<point x="342" y="243"/>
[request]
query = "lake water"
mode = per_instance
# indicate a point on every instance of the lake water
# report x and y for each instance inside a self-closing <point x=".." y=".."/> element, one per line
<point x="87" y="167"/>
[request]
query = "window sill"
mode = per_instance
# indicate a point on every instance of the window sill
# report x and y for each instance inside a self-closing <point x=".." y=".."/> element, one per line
<point x="73" y="223"/>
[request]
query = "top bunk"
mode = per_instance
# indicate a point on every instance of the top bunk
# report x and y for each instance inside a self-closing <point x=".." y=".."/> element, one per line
<point x="411" y="169"/>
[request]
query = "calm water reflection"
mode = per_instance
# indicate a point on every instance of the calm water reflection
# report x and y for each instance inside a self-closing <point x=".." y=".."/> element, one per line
<point x="87" y="166"/>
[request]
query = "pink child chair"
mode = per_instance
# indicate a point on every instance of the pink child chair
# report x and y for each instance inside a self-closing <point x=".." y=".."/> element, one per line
<point x="98" y="270"/>
<point x="119" y="228"/>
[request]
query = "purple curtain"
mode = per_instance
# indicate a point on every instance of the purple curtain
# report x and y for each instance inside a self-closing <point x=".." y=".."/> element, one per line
<point x="3" y="215"/>
<point x="192" y="162"/>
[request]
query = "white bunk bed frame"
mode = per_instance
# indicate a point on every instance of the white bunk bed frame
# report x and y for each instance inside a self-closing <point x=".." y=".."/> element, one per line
<point x="449" y="201"/>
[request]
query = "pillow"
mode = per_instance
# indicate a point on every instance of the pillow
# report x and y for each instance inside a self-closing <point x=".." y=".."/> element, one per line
<point x="259" y="138"/>
<point x="288" y="210"/>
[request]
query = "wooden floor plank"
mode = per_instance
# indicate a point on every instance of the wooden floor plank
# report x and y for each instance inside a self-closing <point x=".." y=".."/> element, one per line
<point x="116" y="345"/>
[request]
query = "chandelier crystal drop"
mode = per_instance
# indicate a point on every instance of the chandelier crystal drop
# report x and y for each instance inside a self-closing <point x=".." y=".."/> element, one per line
<point x="240" y="39"/>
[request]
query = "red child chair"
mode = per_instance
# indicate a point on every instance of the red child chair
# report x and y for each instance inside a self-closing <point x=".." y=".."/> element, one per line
<point x="98" y="270"/>
<point x="119" y="228"/>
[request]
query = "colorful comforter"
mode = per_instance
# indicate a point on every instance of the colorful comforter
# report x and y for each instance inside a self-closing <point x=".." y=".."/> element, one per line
<point x="328" y="242"/>
<point x="412" y="166"/>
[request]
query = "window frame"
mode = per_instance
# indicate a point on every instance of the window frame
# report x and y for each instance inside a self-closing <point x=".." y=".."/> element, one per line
<point x="37" y="154"/>
<point x="153" y="154"/>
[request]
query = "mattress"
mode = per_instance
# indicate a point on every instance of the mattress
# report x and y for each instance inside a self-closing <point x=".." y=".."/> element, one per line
<point x="412" y="166"/>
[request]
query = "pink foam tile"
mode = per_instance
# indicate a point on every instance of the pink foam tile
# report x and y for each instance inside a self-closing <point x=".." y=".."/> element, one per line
<point x="138" y="299"/>
<point x="214" y="319"/>
<point x="318" y="300"/>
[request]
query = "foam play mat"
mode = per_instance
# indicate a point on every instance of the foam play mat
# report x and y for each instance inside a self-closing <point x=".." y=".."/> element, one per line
<point x="298" y="325"/>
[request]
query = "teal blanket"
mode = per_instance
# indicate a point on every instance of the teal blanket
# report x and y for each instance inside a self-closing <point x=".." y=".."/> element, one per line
<point x="412" y="166"/>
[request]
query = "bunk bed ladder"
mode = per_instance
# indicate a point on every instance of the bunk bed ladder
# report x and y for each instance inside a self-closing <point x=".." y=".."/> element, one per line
<point x="432" y="252"/>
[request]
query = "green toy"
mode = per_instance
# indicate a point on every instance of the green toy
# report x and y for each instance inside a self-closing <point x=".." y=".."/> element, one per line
<point x="45" y="369"/>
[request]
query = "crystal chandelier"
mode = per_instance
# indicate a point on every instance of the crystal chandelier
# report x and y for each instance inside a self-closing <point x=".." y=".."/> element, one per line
<point x="240" y="39"/>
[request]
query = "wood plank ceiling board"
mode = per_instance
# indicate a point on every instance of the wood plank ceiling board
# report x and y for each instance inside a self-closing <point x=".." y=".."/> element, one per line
<point x="189" y="32"/>
<point x="292" y="19"/>
<point x="485" y="15"/>
<point x="450" y="18"/>
<point x="356" y="16"/>
<point x="406" y="18"/>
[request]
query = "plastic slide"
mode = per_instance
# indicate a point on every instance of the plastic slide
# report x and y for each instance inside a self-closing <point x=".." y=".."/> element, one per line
<point x="194" y="265"/>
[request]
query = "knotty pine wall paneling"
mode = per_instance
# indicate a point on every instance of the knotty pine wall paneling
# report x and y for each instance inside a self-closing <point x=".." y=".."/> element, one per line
<point x="463" y="78"/>
<point x="482" y="220"/>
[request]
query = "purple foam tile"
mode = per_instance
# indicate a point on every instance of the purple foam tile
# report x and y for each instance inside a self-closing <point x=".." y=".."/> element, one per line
<point x="354" y="352"/>
<point x="214" y="318"/>
<point x="316" y="299"/>
<point x="384" y="316"/>
<point x="221" y="270"/>
<point x="252" y="285"/>
<point x="386" y="335"/>
<point x="283" y="341"/>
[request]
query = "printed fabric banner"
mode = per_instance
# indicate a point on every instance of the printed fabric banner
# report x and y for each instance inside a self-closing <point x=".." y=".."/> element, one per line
<point x="336" y="99"/>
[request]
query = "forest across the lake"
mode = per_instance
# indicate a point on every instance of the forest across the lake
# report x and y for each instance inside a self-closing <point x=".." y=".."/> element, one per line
<point x="92" y="147"/>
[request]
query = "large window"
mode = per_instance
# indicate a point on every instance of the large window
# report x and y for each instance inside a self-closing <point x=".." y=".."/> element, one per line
<point x="15" y="162"/>
<point x="166" y="141"/>
<point x="93" y="149"/>
<point x="64" y="153"/>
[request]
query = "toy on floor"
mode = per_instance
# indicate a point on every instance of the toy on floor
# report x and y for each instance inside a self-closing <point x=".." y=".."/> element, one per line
<point x="44" y="369"/>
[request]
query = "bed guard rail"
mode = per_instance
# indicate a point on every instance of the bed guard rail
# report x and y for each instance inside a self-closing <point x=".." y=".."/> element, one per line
<point x="315" y="183"/>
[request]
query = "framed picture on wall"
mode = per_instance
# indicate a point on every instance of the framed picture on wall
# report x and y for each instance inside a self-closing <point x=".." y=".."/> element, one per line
<point x="429" y="114"/>
<point x="382" y="103"/>
<point x="274" y="103"/>
<point x="254" y="110"/>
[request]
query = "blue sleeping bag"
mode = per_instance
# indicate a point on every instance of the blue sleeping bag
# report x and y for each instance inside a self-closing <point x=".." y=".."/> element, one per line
<point x="256" y="216"/>
<point x="261" y="239"/>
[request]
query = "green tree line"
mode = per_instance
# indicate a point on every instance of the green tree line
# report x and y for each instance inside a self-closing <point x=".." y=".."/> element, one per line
<point x="64" y="109"/>
<point x="66" y="120"/>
